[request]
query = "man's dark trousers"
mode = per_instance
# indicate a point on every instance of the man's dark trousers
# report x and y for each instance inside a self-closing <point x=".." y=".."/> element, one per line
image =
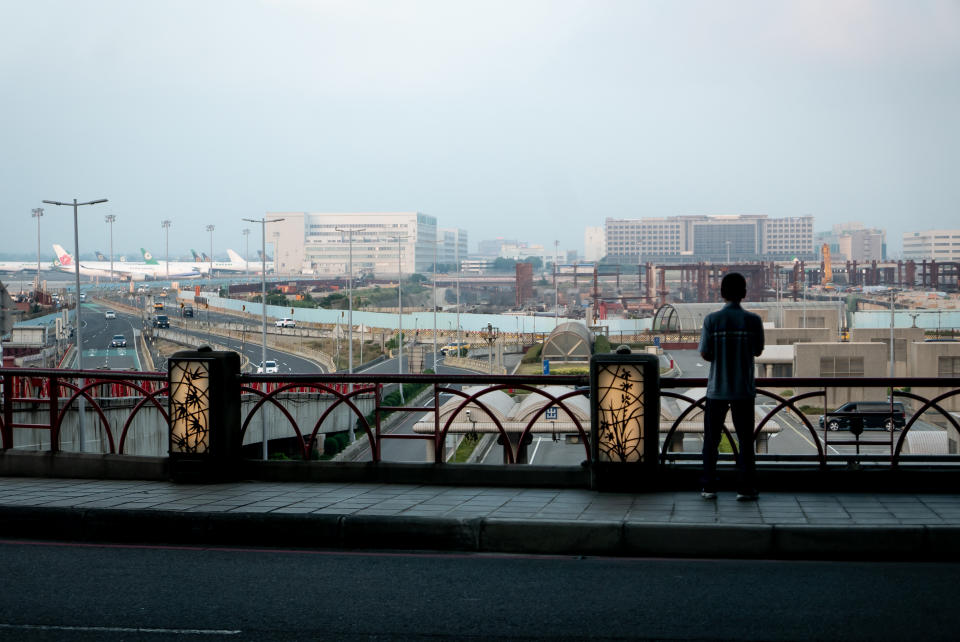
<point x="742" y="412"/>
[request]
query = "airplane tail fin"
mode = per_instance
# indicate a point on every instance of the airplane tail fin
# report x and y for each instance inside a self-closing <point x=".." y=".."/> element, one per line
<point x="62" y="255"/>
<point x="196" y="257"/>
<point x="203" y="255"/>
<point x="235" y="258"/>
<point x="148" y="258"/>
<point x="100" y="256"/>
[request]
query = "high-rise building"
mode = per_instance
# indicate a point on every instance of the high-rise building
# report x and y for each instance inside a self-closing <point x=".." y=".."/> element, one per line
<point x="594" y="244"/>
<point x="939" y="245"/>
<point x="453" y="244"/>
<point x="382" y="242"/>
<point x="854" y="242"/>
<point x="738" y="237"/>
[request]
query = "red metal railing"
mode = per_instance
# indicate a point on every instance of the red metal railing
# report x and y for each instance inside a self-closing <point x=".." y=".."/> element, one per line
<point x="53" y="394"/>
<point x="26" y="391"/>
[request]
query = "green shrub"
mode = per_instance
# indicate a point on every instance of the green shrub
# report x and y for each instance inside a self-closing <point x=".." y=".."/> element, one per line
<point x="601" y="345"/>
<point x="330" y="446"/>
<point x="342" y="440"/>
<point x="533" y="354"/>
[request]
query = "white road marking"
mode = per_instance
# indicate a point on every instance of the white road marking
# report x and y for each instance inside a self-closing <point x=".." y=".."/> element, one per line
<point x="117" y="629"/>
<point x="533" y="455"/>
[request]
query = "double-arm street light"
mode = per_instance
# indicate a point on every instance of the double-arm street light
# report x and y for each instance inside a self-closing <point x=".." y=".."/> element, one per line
<point x="165" y="224"/>
<point x="110" y="218"/>
<point x="76" y="271"/>
<point x="263" y="307"/>
<point x="37" y="212"/>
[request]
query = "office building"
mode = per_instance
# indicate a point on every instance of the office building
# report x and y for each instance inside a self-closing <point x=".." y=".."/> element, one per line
<point x="452" y="245"/>
<point x="383" y="242"/>
<point x="737" y="237"/>
<point x="939" y="245"/>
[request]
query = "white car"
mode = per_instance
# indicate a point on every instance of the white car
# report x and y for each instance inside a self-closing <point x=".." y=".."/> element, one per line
<point x="286" y="322"/>
<point x="270" y="369"/>
<point x="109" y="314"/>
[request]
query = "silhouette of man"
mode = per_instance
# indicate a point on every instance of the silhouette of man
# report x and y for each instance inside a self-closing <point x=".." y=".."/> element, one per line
<point x="730" y="339"/>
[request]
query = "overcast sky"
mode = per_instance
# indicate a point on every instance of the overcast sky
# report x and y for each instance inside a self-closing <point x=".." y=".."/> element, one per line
<point x="521" y="119"/>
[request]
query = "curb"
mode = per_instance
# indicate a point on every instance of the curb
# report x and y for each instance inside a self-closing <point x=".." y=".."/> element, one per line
<point x="484" y="534"/>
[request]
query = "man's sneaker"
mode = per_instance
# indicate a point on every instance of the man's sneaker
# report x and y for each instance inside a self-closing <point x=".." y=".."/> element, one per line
<point x="708" y="494"/>
<point x="748" y="496"/>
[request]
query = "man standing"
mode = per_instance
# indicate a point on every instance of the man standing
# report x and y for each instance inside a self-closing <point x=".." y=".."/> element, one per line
<point x="730" y="339"/>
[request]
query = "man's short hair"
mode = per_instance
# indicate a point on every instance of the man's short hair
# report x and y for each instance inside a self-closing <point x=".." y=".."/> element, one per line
<point x="733" y="287"/>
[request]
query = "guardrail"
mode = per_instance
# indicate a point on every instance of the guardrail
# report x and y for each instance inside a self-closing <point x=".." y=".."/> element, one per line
<point x="49" y="398"/>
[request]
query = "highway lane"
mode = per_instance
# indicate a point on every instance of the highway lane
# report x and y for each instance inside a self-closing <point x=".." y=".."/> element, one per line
<point x="131" y="324"/>
<point x="98" y="331"/>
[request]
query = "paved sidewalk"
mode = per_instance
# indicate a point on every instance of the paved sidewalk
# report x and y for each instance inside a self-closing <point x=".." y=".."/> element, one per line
<point x="511" y="520"/>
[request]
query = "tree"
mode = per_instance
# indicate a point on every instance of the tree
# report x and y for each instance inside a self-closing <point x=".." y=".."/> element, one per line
<point x="503" y="265"/>
<point x="535" y="261"/>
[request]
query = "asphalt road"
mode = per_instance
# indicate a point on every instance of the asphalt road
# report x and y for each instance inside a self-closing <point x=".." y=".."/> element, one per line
<point x="96" y="334"/>
<point x="99" y="592"/>
<point x="287" y="362"/>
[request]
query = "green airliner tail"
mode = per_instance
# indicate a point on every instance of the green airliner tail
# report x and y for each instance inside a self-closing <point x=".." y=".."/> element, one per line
<point x="148" y="258"/>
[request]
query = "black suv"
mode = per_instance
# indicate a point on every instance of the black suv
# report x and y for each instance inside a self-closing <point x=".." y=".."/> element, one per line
<point x="161" y="321"/>
<point x="874" y="414"/>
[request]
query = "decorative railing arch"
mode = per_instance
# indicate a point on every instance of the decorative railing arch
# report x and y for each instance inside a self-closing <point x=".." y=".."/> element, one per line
<point x="48" y="397"/>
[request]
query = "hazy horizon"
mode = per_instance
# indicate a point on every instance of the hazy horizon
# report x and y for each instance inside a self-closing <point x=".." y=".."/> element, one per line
<point x="527" y="120"/>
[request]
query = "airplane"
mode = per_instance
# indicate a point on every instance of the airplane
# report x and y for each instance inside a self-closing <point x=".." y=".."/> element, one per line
<point x="15" y="267"/>
<point x="128" y="270"/>
<point x="238" y="262"/>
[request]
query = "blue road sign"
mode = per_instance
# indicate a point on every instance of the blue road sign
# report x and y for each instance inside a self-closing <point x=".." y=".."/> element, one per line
<point x="656" y="341"/>
<point x="546" y="366"/>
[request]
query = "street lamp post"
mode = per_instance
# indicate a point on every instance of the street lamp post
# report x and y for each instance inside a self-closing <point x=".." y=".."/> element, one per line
<point x="37" y="212"/>
<point x="400" y="311"/>
<point x="165" y="224"/>
<point x="456" y="251"/>
<point x="492" y="334"/>
<point x="276" y="252"/>
<point x="263" y="309"/>
<point x="246" y="253"/>
<point x="892" y="323"/>
<point x="350" y="231"/>
<point x="434" y="363"/>
<point x="556" y="284"/>
<point x="210" y="229"/>
<point x="110" y="218"/>
<point x="76" y="271"/>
